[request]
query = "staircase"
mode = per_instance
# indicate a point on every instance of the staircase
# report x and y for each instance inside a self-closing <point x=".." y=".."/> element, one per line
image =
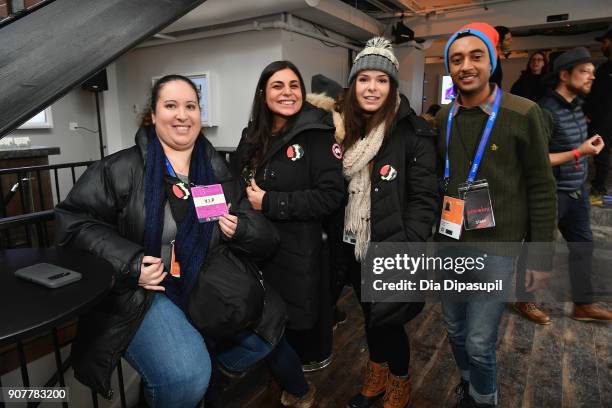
<point x="55" y="45"/>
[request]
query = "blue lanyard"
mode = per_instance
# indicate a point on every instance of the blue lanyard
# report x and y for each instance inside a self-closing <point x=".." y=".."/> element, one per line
<point x="169" y="167"/>
<point x="483" y="140"/>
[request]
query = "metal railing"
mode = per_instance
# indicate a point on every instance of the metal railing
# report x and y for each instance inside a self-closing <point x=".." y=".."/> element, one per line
<point x="27" y="198"/>
<point x="35" y="199"/>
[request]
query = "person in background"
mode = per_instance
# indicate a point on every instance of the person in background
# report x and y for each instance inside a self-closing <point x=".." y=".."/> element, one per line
<point x="514" y="164"/>
<point x="389" y="163"/>
<point x="134" y="209"/>
<point x="430" y="115"/>
<point x="503" y="48"/>
<point x="530" y="84"/>
<point x="570" y="147"/>
<point x="322" y="88"/>
<point x="598" y="108"/>
<point x="292" y="171"/>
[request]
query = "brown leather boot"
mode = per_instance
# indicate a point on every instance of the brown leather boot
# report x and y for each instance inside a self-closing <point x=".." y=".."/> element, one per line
<point x="532" y="312"/>
<point x="374" y="385"/>
<point x="397" y="394"/>
<point x="591" y="311"/>
<point x="307" y="401"/>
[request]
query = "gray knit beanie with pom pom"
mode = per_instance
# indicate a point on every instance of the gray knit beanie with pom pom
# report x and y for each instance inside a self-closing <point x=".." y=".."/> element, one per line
<point x="377" y="55"/>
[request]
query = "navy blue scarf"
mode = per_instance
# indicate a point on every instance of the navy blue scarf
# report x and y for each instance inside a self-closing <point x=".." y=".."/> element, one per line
<point x="192" y="237"/>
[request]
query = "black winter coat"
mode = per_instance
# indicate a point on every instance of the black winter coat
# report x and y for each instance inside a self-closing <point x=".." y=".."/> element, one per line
<point x="403" y="209"/>
<point x="300" y="192"/>
<point x="598" y="106"/>
<point x="104" y="214"/>
<point x="530" y="86"/>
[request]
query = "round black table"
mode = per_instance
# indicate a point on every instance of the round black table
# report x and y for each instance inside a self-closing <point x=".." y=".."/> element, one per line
<point x="27" y="308"/>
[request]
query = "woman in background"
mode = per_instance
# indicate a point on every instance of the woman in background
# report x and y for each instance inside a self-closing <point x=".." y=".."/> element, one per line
<point x="530" y="84"/>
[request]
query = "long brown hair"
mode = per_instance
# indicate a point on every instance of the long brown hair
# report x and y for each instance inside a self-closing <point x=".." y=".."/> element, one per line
<point x="544" y="68"/>
<point x="357" y="123"/>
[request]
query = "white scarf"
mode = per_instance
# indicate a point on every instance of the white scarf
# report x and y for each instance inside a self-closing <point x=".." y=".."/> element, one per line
<point x="356" y="171"/>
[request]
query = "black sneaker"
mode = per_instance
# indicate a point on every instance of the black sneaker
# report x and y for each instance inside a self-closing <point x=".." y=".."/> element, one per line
<point x="462" y="392"/>
<point x="464" y="399"/>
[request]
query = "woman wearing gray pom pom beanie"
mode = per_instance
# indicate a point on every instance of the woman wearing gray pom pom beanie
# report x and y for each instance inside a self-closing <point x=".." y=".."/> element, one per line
<point x="389" y="164"/>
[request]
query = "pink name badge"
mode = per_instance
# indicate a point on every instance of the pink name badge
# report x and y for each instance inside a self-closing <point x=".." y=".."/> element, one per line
<point x="209" y="202"/>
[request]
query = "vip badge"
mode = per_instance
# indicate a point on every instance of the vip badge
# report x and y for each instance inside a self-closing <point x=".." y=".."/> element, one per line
<point x="388" y="172"/>
<point x="295" y="152"/>
<point x="337" y="151"/>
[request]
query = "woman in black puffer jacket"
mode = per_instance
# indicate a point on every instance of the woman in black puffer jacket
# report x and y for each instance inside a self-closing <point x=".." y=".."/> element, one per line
<point x="133" y="209"/>
<point x="389" y="163"/>
<point x="292" y="169"/>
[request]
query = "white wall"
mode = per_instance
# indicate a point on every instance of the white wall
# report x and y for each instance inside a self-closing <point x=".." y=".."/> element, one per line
<point x="79" y="145"/>
<point x="313" y="57"/>
<point x="75" y="145"/>
<point x="411" y="73"/>
<point x="110" y="112"/>
<point x="234" y="61"/>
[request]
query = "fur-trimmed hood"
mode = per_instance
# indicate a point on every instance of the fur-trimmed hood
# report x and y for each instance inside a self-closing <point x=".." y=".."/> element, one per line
<point x="327" y="103"/>
<point x="322" y="101"/>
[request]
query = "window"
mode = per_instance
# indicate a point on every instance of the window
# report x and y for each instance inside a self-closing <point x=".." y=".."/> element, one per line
<point x="43" y="120"/>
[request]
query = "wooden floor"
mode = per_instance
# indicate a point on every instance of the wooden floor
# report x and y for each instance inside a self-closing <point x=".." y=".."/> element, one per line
<point x="567" y="364"/>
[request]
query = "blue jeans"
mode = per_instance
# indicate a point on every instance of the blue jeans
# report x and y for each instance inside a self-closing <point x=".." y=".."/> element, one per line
<point x="171" y="357"/>
<point x="248" y="349"/>
<point x="574" y="222"/>
<point x="472" y="332"/>
<point x="283" y="361"/>
<point x="575" y="226"/>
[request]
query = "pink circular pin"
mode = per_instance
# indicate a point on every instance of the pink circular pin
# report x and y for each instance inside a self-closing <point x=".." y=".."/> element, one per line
<point x="388" y="172"/>
<point x="295" y="152"/>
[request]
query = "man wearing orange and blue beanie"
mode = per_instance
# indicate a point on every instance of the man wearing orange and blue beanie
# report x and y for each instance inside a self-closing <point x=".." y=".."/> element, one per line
<point x="498" y="141"/>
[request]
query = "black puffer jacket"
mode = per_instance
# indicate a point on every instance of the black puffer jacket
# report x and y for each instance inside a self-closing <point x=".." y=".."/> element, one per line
<point x="403" y="207"/>
<point x="105" y="214"/>
<point x="300" y="192"/>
